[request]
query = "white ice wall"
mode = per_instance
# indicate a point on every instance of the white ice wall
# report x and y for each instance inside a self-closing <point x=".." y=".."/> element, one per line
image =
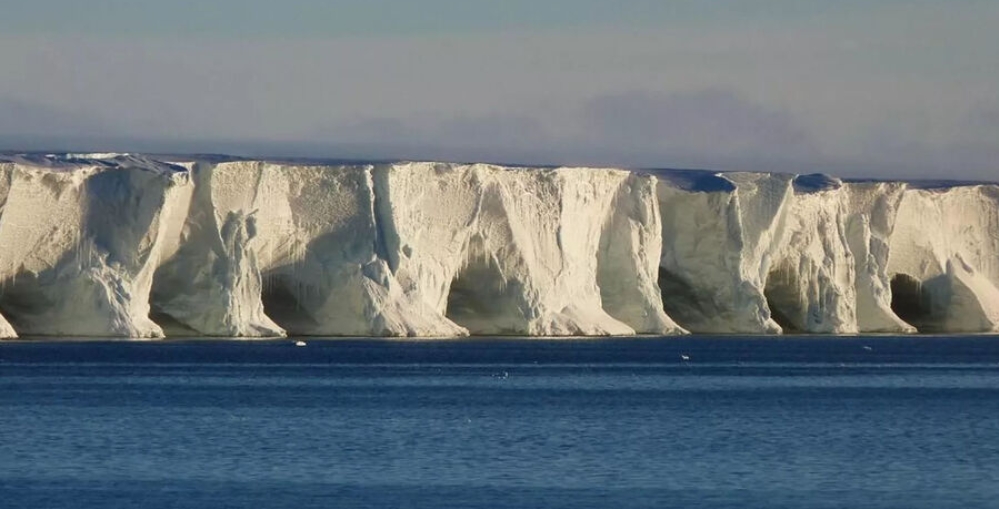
<point x="744" y="251"/>
<point x="811" y="283"/>
<point x="378" y="250"/>
<point x="947" y="239"/>
<point x="129" y="246"/>
<point x="872" y="212"/>
<point x="79" y="242"/>
<point x="719" y="233"/>
<point x="523" y="251"/>
<point x="210" y="282"/>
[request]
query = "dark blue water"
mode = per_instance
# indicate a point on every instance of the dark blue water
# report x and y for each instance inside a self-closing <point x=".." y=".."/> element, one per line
<point x="769" y="423"/>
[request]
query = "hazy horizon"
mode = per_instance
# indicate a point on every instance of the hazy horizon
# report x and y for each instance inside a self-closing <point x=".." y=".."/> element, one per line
<point x="898" y="89"/>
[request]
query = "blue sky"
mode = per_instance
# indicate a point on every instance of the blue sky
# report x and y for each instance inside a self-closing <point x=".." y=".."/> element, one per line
<point x="886" y="88"/>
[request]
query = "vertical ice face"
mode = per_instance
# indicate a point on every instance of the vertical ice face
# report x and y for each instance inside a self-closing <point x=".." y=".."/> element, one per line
<point x="628" y="265"/>
<point x="764" y="253"/>
<point x="830" y="269"/>
<point x="323" y="258"/>
<point x="944" y="259"/>
<point x="417" y="249"/>
<point x="79" y="241"/>
<point x="283" y="247"/>
<point x="810" y="287"/>
<point x="520" y="251"/>
<point x="122" y="245"/>
<point x="872" y="211"/>
<point x="209" y="283"/>
<point x="6" y="178"/>
<point x="719" y="233"/>
<point x="426" y="212"/>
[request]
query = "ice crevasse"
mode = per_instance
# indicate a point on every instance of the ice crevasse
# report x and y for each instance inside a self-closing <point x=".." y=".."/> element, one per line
<point x="135" y="246"/>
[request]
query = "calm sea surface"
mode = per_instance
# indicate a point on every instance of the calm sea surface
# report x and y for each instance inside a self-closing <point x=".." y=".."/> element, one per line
<point x="489" y="423"/>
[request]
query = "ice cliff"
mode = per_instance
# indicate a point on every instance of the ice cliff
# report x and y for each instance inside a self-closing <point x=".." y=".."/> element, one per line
<point x="764" y="253"/>
<point x="141" y="246"/>
<point x="944" y="258"/>
<point x="565" y="251"/>
<point x="80" y="241"/>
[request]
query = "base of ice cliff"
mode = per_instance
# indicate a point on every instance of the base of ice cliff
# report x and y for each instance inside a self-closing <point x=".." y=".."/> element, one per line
<point x="120" y="245"/>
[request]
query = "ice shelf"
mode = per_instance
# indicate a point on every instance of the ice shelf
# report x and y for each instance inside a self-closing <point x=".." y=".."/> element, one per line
<point x="133" y="246"/>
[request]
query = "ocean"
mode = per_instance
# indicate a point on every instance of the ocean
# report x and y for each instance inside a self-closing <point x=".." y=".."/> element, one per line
<point x="791" y="422"/>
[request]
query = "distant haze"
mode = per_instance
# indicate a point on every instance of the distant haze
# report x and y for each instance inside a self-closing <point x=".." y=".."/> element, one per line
<point x="889" y="89"/>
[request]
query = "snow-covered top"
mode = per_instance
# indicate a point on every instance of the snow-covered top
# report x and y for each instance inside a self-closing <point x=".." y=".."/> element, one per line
<point x="693" y="180"/>
<point x="91" y="155"/>
<point x="702" y="181"/>
<point x="927" y="184"/>
<point x="67" y="162"/>
<point x="816" y="182"/>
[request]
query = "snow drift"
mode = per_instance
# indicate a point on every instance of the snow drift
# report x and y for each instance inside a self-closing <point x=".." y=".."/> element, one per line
<point x="134" y="246"/>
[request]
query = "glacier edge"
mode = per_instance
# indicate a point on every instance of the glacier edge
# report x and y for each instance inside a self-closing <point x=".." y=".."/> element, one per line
<point x="133" y="246"/>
